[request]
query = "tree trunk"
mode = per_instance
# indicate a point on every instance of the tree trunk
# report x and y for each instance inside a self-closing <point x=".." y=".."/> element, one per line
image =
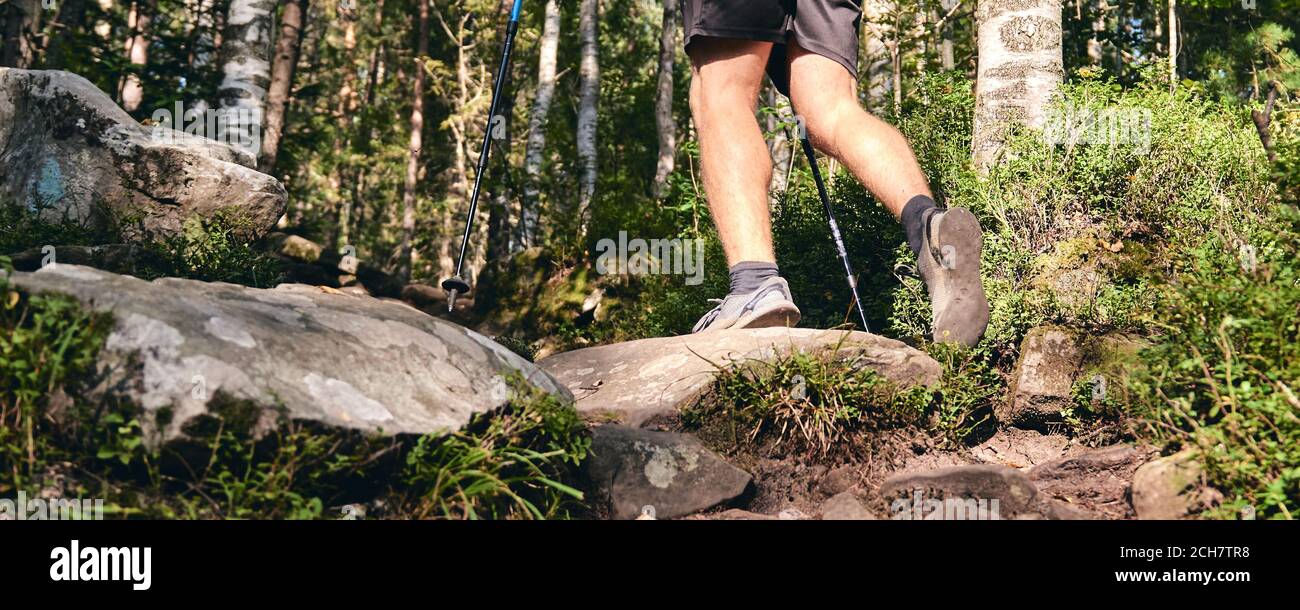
<point x="22" y="28"/>
<point x="779" y="149"/>
<point x="1098" y="26"/>
<point x="537" y="124"/>
<point x="413" y="149"/>
<point x="1173" y="26"/>
<point x="588" y="98"/>
<point x="245" y="61"/>
<point x="875" y="19"/>
<point x="1020" y="69"/>
<point x="292" y="19"/>
<point x="664" y="122"/>
<point x="138" y="20"/>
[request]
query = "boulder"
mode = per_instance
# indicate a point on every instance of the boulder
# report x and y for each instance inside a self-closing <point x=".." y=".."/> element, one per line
<point x="185" y="352"/>
<point x="1097" y="478"/>
<point x="635" y="381"/>
<point x="976" y="492"/>
<point x="672" y="473"/>
<point x="1043" y="381"/>
<point x="67" y="151"/>
<point x="1170" y="487"/>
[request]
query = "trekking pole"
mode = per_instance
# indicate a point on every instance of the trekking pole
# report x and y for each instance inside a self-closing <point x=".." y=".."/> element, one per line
<point x="835" y="227"/>
<point x="456" y="284"/>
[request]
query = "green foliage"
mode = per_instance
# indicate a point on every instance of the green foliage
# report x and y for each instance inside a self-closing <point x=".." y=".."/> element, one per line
<point x="805" y="405"/>
<point x="214" y="249"/>
<point x="509" y="464"/>
<point x="1223" y="376"/>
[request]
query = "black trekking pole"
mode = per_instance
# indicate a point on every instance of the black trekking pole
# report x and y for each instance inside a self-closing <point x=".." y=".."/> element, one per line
<point x="835" y="227"/>
<point x="456" y="284"/>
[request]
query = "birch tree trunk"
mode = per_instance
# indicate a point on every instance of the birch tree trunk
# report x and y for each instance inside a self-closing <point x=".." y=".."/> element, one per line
<point x="1098" y="25"/>
<point x="1020" y="69"/>
<point x="780" y="148"/>
<point x="1173" y="44"/>
<point x="138" y="20"/>
<point x="879" y="60"/>
<point x="287" y="45"/>
<point x="549" y="44"/>
<point x="245" y="62"/>
<point x="413" y="149"/>
<point x="666" y="127"/>
<point x="588" y="98"/>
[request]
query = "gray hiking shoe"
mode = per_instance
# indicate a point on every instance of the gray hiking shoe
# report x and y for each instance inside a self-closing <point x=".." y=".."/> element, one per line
<point x="770" y="305"/>
<point x="950" y="265"/>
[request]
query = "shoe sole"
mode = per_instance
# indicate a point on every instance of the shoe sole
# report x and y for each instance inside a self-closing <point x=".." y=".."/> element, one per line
<point x="780" y="314"/>
<point x="960" y="230"/>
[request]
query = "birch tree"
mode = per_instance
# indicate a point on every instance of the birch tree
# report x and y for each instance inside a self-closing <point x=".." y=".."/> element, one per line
<point x="588" y="99"/>
<point x="22" y="27"/>
<point x="1020" y="69"/>
<point x="245" y="62"/>
<point x="549" y="44"/>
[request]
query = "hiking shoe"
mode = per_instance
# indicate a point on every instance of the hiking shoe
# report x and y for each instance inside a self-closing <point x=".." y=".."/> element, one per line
<point x="950" y="265"/>
<point x="770" y="305"/>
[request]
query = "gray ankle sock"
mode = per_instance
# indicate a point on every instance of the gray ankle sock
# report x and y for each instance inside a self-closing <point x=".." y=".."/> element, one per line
<point x="915" y="217"/>
<point x="747" y="275"/>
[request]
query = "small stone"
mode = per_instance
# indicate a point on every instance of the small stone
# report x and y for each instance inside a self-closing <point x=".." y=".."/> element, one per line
<point x="1170" y="487"/>
<point x="1043" y="381"/>
<point x="845" y="506"/>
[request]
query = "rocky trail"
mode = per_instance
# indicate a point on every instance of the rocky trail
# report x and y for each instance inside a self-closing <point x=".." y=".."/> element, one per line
<point x="348" y="348"/>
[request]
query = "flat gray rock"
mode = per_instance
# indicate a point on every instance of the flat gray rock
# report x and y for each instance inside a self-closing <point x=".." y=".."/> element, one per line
<point x="68" y="150"/>
<point x="1098" y="478"/>
<point x="634" y="381"/>
<point x="976" y="492"/>
<point x="1043" y="381"/>
<point x="185" y="348"/>
<point x="666" y="474"/>
<point x="1021" y="448"/>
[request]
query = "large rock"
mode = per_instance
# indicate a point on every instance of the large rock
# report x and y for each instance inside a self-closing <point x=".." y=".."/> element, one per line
<point x="1042" y="383"/>
<point x="634" y="381"/>
<point x="185" y="351"/>
<point x="67" y="150"/>
<point x="664" y="473"/>
<point x="1096" y="478"/>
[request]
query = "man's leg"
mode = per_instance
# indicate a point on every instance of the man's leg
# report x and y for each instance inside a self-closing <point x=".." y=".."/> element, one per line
<point x="726" y="75"/>
<point x="947" y="242"/>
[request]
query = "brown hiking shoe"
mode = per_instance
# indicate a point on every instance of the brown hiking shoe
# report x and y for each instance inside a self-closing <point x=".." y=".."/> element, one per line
<point x="950" y="265"/>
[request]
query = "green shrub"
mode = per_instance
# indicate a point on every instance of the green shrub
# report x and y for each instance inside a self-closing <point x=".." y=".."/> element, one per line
<point x="1223" y="376"/>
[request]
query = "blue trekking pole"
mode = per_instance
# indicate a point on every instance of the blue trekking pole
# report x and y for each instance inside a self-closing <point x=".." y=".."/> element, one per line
<point x="456" y="284"/>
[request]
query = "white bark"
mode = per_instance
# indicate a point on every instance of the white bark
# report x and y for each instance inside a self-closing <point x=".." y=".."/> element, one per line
<point x="588" y="98"/>
<point x="245" y="61"/>
<point x="1173" y="44"/>
<point x="664" y="123"/>
<point x="876" y="19"/>
<point x="549" y="44"/>
<point x="1020" y="69"/>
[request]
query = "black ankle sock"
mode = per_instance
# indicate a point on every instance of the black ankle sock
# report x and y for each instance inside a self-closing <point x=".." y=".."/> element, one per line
<point x="747" y="275"/>
<point x="915" y="217"/>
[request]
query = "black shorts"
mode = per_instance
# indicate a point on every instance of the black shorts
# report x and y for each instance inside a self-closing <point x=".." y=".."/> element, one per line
<point x="826" y="27"/>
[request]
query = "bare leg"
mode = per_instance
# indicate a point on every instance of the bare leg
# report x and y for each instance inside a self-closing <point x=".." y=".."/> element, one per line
<point x="726" y="76"/>
<point x="825" y="96"/>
